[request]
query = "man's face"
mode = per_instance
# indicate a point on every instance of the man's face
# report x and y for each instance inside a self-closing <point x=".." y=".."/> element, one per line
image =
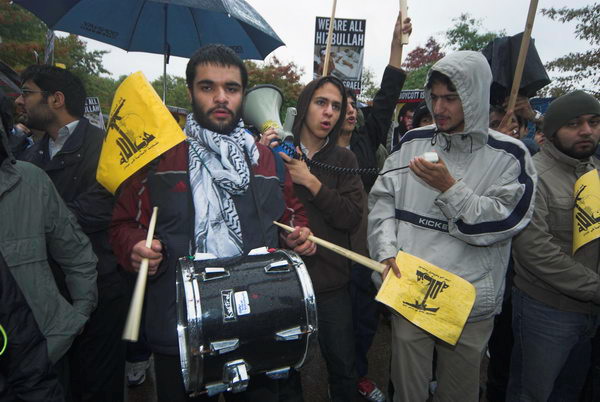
<point x="217" y="95"/>
<point x="351" y="113"/>
<point x="579" y="137"/>
<point x="323" y="113"/>
<point x="447" y="109"/>
<point x="426" y="120"/>
<point x="407" y="119"/>
<point x="33" y="107"/>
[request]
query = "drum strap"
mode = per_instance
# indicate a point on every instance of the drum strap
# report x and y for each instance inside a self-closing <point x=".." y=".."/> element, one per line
<point x="256" y="206"/>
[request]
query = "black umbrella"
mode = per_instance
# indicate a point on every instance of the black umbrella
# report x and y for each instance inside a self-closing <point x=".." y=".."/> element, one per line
<point x="502" y="54"/>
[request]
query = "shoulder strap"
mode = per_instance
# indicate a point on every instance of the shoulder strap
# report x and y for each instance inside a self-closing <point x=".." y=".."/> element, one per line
<point x="279" y="167"/>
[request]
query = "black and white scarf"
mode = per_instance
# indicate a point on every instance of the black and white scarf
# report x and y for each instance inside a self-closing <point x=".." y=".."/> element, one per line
<point x="218" y="170"/>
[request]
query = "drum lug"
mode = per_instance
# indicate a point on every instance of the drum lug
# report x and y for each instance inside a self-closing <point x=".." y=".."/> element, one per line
<point x="279" y="374"/>
<point x="226" y="346"/>
<point x="277" y="267"/>
<point x="212" y="273"/>
<point x="215" y="388"/>
<point x="290" y="334"/>
<point x="236" y="374"/>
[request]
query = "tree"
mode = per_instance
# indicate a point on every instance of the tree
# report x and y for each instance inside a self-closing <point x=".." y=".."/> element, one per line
<point x="286" y="77"/>
<point x="421" y="56"/>
<point x="367" y="85"/>
<point x="21" y="36"/>
<point x="577" y="69"/>
<point x="416" y="78"/>
<point x="465" y="34"/>
<point x="177" y="91"/>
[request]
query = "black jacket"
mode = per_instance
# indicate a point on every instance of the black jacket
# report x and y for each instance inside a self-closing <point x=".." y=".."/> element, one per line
<point x="73" y="172"/>
<point x="364" y="144"/>
<point x="25" y="370"/>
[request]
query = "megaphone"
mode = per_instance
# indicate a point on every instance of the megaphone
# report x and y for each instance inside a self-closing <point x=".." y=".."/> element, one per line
<point x="261" y="109"/>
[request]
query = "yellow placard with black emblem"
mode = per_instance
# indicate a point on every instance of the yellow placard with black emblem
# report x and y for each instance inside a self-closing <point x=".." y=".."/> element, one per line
<point x="430" y="297"/>
<point x="139" y="129"/>
<point x="586" y="214"/>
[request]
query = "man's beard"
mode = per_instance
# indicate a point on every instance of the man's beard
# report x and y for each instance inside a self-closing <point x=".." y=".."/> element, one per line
<point x="571" y="151"/>
<point x="39" y="117"/>
<point x="201" y="117"/>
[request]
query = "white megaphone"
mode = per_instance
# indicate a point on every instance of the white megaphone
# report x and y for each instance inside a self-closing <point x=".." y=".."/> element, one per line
<point x="261" y="109"/>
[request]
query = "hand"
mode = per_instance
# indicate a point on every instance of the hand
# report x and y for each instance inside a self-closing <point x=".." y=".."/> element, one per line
<point x="154" y="255"/>
<point x="434" y="174"/>
<point x="522" y="108"/>
<point x="390" y="264"/>
<point x="510" y="126"/>
<point x="396" y="48"/>
<point x="298" y="241"/>
<point x="300" y="173"/>
<point x="270" y="138"/>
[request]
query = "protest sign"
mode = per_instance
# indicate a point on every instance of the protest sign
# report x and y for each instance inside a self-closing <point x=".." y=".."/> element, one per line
<point x="347" y="50"/>
<point x="93" y="112"/>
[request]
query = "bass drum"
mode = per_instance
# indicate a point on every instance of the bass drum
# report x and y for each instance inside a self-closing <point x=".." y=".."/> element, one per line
<point x="238" y="317"/>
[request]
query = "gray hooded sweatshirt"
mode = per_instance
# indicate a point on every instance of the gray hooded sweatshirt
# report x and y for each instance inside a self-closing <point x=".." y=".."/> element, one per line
<point x="466" y="230"/>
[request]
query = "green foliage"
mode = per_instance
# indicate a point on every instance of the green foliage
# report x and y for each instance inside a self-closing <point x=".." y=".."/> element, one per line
<point x="21" y="36"/>
<point x="416" y="78"/>
<point x="177" y="91"/>
<point x="465" y="34"/>
<point x="368" y="87"/>
<point x="577" y="68"/>
<point x="286" y="77"/>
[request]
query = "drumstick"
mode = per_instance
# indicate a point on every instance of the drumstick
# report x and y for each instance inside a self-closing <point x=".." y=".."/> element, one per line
<point x="351" y="255"/>
<point x="132" y="325"/>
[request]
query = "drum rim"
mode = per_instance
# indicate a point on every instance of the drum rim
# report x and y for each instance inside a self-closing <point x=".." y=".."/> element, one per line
<point x="310" y="302"/>
<point x="187" y="329"/>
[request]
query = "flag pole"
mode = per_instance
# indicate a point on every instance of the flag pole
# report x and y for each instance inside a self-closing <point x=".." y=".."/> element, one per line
<point x="329" y="39"/>
<point x="404" y="14"/>
<point x="522" y="56"/>
<point x="134" y="317"/>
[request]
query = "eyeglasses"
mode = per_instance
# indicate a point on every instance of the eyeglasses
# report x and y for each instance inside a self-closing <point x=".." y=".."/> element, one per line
<point x="26" y="92"/>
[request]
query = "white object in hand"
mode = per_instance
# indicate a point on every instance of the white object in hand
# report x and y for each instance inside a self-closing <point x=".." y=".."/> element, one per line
<point x="431" y="157"/>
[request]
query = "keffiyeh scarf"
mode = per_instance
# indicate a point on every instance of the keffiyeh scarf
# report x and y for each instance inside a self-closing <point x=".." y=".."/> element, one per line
<point x="218" y="171"/>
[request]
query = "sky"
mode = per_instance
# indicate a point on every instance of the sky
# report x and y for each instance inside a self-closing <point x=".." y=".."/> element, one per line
<point x="294" y="22"/>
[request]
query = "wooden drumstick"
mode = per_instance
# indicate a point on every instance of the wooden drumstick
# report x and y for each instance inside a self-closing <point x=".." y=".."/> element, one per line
<point x="134" y="317"/>
<point x="351" y="255"/>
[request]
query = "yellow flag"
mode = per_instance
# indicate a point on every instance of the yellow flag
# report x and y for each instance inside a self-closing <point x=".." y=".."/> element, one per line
<point x="432" y="298"/>
<point x="586" y="214"/>
<point x="139" y="129"/>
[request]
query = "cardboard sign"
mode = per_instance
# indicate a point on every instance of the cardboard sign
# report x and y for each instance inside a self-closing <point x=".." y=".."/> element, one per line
<point x="347" y="50"/>
<point x="586" y="214"/>
<point x="430" y="297"/>
<point x="140" y="128"/>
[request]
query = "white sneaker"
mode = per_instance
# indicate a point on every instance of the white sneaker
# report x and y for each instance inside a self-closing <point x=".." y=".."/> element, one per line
<point x="136" y="372"/>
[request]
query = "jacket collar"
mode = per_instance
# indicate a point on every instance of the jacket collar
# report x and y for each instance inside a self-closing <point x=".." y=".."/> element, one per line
<point x="580" y="166"/>
<point x="9" y="176"/>
<point x="73" y="144"/>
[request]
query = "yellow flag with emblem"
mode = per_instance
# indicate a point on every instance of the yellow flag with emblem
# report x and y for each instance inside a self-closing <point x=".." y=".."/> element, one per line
<point x="586" y="214"/>
<point x="139" y="129"/>
<point x="430" y="297"/>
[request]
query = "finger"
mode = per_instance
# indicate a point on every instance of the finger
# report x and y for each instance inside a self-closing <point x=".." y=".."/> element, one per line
<point x="156" y="246"/>
<point x="385" y="272"/>
<point x="285" y="157"/>
<point x="395" y="269"/>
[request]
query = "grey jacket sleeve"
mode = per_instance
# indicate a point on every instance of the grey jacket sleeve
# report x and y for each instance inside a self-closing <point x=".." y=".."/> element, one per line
<point x="537" y="251"/>
<point x="499" y="212"/>
<point x="72" y="250"/>
<point x="382" y="219"/>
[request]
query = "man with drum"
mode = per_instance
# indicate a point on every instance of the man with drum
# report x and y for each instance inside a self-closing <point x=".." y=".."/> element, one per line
<point x="217" y="193"/>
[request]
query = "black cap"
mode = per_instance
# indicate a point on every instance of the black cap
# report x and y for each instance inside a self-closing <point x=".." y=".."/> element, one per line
<point x="568" y="107"/>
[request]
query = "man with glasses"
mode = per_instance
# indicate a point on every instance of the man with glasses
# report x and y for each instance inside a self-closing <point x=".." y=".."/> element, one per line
<point x="53" y="100"/>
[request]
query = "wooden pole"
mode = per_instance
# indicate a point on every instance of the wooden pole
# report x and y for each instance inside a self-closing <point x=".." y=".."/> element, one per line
<point x="134" y="317"/>
<point x="404" y="14"/>
<point x="522" y="56"/>
<point x="329" y="39"/>
<point x="361" y="259"/>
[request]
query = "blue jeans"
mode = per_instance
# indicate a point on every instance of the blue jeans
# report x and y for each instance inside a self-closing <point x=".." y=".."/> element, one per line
<point x="551" y="353"/>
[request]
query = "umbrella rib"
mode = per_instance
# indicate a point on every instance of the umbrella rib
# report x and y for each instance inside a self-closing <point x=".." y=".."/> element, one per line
<point x="195" y="26"/>
<point x="137" y="18"/>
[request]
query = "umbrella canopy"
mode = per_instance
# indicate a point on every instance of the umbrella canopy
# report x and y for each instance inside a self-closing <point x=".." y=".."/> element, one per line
<point x="502" y="54"/>
<point x="170" y="27"/>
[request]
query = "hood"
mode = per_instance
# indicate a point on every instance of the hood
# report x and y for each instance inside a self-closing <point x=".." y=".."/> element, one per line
<point x="470" y="73"/>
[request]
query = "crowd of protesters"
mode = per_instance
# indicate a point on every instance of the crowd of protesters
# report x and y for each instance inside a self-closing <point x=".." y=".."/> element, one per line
<point x="496" y="210"/>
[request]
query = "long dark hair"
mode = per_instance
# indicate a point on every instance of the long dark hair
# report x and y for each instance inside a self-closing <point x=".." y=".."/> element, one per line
<point x="304" y="102"/>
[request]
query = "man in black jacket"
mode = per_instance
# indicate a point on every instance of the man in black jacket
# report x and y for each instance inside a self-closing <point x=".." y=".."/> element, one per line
<point x="53" y="100"/>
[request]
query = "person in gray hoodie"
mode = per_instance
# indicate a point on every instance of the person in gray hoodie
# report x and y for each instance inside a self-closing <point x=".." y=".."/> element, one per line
<point x="459" y="214"/>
